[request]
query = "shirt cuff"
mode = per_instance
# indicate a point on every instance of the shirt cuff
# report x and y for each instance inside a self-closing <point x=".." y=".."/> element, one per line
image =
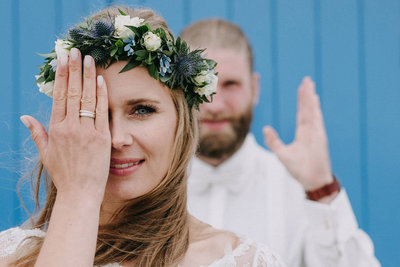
<point x="331" y="223"/>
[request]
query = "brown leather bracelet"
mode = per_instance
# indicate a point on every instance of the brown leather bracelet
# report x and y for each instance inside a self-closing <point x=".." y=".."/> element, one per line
<point x="324" y="191"/>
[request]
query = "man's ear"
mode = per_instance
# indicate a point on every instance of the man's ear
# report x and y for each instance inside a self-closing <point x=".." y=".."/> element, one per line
<point x="255" y="84"/>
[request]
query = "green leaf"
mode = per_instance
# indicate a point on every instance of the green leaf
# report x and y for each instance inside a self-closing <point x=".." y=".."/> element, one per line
<point x="119" y="43"/>
<point x="153" y="71"/>
<point x="211" y="63"/>
<point x="165" y="78"/>
<point x="113" y="51"/>
<point x="134" y="30"/>
<point x="131" y="64"/>
<point x="40" y="79"/>
<point x="52" y="55"/>
<point x="142" y="53"/>
<point x="121" y="12"/>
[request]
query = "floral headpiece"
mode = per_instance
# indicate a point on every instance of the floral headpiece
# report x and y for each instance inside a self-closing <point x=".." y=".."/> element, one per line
<point x="126" y="38"/>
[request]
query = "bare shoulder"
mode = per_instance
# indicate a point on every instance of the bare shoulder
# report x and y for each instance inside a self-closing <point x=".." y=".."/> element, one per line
<point x="4" y="262"/>
<point x="207" y="244"/>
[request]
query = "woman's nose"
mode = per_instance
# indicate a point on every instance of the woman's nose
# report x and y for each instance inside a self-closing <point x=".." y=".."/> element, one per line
<point x="120" y="137"/>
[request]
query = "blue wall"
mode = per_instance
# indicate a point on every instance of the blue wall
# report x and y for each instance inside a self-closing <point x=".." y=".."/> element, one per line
<point x="350" y="47"/>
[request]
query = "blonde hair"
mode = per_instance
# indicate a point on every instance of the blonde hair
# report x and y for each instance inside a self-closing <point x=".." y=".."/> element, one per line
<point x="151" y="230"/>
<point x="217" y="33"/>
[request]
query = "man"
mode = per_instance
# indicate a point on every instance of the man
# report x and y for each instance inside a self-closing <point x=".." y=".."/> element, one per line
<point x="237" y="185"/>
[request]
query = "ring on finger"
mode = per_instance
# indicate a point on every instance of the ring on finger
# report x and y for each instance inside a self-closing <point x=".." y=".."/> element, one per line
<point x="87" y="113"/>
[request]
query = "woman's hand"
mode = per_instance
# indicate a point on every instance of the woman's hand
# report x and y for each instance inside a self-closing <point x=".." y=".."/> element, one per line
<point x="307" y="158"/>
<point x="76" y="151"/>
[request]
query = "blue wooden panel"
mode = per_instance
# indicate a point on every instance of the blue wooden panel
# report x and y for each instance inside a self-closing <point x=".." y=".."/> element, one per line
<point x="351" y="48"/>
<point x="382" y="49"/>
<point x="295" y="45"/>
<point x="258" y="25"/>
<point x="173" y="13"/>
<point x="8" y="198"/>
<point x="207" y="9"/>
<point x="339" y="85"/>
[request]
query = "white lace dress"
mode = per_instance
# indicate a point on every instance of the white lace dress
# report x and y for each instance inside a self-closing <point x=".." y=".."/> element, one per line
<point x="247" y="254"/>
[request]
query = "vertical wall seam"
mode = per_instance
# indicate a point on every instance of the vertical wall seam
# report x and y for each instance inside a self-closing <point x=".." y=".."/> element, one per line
<point x="275" y="65"/>
<point x="58" y="20"/>
<point x="16" y="84"/>
<point x="187" y="18"/>
<point x="317" y="48"/>
<point x="230" y="9"/>
<point x="363" y="115"/>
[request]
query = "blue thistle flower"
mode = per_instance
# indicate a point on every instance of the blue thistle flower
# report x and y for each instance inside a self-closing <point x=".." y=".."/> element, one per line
<point x="130" y="43"/>
<point x="164" y="64"/>
<point x="80" y="35"/>
<point x="102" y="28"/>
<point x="100" y="56"/>
<point x="185" y="68"/>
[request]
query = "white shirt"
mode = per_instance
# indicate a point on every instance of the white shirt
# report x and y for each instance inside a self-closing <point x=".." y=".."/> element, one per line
<point x="252" y="194"/>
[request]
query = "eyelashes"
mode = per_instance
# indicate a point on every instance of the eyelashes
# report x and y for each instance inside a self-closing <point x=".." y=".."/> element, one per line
<point x="142" y="111"/>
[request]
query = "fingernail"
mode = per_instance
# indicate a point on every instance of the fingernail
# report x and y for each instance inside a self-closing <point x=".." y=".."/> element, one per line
<point x="74" y="53"/>
<point x="63" y="60"/>
<point x="25" y="121"/>
<point x="100" y="81"/>
<point x="88" y="61"/>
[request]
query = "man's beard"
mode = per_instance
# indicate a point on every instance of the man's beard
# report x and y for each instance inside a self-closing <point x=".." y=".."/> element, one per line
<point x="220" y="145"/>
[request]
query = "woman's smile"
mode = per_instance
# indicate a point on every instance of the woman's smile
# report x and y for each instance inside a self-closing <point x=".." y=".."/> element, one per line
<point x="123" y="167"/>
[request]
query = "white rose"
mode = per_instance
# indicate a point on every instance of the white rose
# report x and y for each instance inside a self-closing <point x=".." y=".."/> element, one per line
<point x="46" y="88"/>
<point x="202" y="78"/>
<point x="212" y="81"/>
<point x="151" y="41"/>
<point x="61" y="47"/>
<point x="123" y="32"/>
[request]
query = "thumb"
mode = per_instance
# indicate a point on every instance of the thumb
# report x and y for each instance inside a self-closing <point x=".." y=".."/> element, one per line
<point x="272" y="139"/>
<point x="38" y="133"/>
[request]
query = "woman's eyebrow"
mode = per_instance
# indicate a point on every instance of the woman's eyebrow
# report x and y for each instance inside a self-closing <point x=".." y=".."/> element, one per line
<point x="135" y="101"/>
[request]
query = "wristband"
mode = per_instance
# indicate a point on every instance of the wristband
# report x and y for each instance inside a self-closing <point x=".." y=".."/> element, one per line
<point x="324" y="191"/>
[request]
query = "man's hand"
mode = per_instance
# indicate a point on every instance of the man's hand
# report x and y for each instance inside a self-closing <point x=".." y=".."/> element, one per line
<point x="307" y="157"/>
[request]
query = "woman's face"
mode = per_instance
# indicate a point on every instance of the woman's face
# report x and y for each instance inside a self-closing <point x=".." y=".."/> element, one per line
<point x="143" y="120"/>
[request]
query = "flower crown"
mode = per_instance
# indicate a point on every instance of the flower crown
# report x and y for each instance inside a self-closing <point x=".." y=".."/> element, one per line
<point x="126" y="38"/>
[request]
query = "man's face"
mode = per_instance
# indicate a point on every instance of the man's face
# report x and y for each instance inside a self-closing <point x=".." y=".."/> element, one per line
<point x="225" y="122"/>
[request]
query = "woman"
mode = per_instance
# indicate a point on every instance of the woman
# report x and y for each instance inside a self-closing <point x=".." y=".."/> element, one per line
<point x="121" y="134"/>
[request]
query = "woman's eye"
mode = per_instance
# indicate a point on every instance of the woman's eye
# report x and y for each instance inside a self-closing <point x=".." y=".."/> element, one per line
<point x="143" y="111"/>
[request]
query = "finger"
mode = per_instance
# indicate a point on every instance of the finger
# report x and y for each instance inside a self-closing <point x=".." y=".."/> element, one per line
<point x="88" y="101"/>
<point x="306" y="102"/>
<point x="272" y="139"/>
<point x="101" y="122"/>
<point x="38" y="133"/>
<point x="60" y="90"/>
<point x="74" y="85"/>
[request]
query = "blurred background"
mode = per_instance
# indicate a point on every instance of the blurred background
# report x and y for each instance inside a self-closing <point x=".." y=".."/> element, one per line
<point x="351" y="48"/>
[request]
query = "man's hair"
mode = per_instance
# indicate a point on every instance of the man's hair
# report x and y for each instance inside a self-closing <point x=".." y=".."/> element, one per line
<point x="217" y="33"/>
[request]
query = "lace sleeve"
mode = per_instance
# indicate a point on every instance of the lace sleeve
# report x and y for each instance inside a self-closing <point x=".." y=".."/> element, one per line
<point x="11" y="238"/>
<point x="264" y="257"/>
<point x="249" y="254"/>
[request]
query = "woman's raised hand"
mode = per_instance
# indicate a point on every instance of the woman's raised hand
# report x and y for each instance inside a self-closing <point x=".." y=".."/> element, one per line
<point x="76" y="151"/>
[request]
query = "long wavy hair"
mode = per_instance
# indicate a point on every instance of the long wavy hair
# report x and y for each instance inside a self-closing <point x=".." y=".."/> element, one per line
<point x="151" y="230"/>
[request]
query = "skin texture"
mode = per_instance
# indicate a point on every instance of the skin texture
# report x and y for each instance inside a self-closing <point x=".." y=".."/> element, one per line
<point x="142" y="123"/>
<point x="307" y="157"/>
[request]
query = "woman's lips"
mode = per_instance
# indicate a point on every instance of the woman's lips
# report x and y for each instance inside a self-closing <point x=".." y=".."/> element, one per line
<point x="123" y="167"/>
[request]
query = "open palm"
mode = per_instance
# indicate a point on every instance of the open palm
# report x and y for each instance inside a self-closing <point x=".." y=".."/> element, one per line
<point x="307" y="157"/>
